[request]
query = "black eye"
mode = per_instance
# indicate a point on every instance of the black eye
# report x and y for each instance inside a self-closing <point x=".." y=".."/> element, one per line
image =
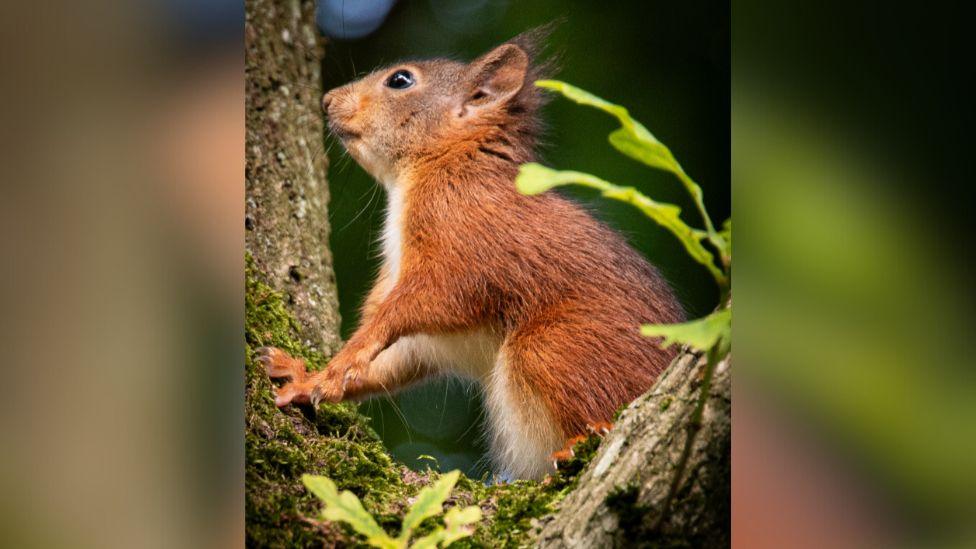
<point x="400" y="80"/>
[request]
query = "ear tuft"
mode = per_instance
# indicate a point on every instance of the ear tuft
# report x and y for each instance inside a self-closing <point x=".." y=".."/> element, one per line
<point x="497" y="77"/>
<point x="505" y="75"/>
<point x="502" y="82"/>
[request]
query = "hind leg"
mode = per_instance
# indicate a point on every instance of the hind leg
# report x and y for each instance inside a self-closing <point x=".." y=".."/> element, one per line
<point x="523" y="433"/>
<point x="563" y="375"/>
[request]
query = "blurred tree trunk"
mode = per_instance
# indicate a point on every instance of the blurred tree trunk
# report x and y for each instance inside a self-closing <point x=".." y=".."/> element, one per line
<point x="619" y="498"/>
<point x="286" y="215"/>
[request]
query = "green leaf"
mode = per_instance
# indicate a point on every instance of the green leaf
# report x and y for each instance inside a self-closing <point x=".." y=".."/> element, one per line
<point x="535" y="178"/>
<point x="649" y="151"/>
<point x="322" y="487"/>
<point x="457" y="521"/>
<point x="726" y="234"/>
<point x="429" y="503"/>
<point x="701" y="334"/>
<point x="632" y="139"/>
<point x="430" y="540"/>
<point x="635" y="141"/>
<point x="346" y="507"/>
<point x="461" y="517"/>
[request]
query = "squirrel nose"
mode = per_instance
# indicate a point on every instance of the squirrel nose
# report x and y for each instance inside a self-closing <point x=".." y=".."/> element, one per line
<point x="326" y="100"/>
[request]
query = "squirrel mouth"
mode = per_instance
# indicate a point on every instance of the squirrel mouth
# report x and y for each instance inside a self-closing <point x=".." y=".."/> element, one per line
<point x="344" y="134"/>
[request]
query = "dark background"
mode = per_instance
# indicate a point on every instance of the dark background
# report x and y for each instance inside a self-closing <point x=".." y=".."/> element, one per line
<point x="667" y="62"/>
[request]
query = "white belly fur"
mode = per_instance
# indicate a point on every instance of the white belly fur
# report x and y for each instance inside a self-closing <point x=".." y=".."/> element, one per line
<point x="521" y="433"/>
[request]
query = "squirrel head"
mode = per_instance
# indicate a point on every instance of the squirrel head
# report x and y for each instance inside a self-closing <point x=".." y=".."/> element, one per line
<point x="404" y="116"/>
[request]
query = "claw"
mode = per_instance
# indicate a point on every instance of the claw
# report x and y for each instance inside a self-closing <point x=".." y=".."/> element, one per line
<point x="567" y="452"/>
<point x="280" y="364"/>
<point x="293" y="393"/>
<point x="283" y="397"/>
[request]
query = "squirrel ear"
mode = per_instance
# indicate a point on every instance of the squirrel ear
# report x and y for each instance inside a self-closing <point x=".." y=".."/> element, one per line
<point x="495" y="78"/>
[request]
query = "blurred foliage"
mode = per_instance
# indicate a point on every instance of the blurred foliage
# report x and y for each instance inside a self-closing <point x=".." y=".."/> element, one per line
<point x="849" y="324"/>
<point x="346" y="507"/>
<point x="669" y="62"/>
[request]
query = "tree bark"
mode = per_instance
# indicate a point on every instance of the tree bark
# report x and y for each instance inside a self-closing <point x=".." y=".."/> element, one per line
<point x="619" y="499"/>
<point x="290" y="295"/>
<point x="286" y="214"/>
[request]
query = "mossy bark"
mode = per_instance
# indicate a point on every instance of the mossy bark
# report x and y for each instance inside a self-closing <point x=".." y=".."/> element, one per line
<point x="281" y="445"/>
<point x="608" y="495"/>
<point x="290" y="298"/>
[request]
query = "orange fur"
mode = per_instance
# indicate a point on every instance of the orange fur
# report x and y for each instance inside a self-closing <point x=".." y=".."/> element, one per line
<point x="554" y="297"/>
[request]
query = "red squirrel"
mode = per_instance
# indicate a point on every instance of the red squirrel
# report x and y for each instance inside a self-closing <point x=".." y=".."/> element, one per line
<point x="528" y="295"/>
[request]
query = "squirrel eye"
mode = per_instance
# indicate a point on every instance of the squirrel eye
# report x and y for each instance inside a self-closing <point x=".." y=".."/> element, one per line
<point x="400" y="80"/>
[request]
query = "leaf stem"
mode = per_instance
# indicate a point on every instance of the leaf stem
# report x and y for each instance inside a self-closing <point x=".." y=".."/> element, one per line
<point x="696" y="194"/>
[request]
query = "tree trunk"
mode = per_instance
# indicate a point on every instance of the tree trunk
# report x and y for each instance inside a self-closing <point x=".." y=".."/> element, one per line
<point x="290" y="295"/>
<point x="286" y="215"/>
<point x="619" y="498"/>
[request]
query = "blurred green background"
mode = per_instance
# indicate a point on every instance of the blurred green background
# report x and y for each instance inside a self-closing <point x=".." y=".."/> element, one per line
<point x="667" y="62"/>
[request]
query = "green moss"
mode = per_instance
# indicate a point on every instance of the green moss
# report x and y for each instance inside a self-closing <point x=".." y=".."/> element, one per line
<point x="666" y="403"/>
<point x="337" y="441"/>
<point x="512" y="510"/>
<point x="281" y="445"/>
<point x="620" y="410"/>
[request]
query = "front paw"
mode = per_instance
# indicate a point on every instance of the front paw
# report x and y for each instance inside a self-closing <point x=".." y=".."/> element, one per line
<point x="330" y="385"/>
<point x="280" y="365"/>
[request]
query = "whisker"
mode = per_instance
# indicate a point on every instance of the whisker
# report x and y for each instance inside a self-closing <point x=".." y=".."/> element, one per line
<point x="396" y="408"/>
<point x="447" y="385"/>
<point x="477" y="420"/>
<point x="362" y="210"/>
